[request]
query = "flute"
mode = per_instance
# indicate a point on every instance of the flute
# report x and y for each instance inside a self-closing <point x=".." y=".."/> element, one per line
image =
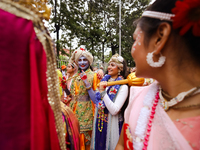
<point x="131" y="80"/>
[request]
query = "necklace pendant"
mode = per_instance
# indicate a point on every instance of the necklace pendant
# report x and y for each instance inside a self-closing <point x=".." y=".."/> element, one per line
<point x="164" y="104"/>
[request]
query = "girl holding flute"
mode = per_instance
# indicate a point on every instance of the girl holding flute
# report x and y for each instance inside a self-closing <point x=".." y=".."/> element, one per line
<point x="109" y="101"/>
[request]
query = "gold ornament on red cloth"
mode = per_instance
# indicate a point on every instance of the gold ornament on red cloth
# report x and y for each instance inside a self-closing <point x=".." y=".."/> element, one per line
<point x="38" y="6"/>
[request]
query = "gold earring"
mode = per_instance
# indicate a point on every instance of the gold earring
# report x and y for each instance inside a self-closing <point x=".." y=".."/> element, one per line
<point x="119" y="72"/>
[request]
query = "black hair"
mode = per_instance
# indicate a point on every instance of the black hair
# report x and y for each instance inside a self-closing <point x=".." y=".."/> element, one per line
<point x="124" y="72"/>
<point x="72" y="65"/>
<point x="150" y="25"/>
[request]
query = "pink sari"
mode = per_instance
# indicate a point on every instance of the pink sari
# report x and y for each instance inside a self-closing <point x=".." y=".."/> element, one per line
<point x="71" y="126"/>
<point x="164" y="133"/>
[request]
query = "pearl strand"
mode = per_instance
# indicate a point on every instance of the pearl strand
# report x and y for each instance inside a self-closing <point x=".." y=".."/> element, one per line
<point x="158" y="15"/>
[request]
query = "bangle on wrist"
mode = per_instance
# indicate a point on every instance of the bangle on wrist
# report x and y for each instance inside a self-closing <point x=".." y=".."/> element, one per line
<point x="87" y="88"/>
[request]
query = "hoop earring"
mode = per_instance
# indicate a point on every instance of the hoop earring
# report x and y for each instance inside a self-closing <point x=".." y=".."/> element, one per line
<point x="151" y="63"/>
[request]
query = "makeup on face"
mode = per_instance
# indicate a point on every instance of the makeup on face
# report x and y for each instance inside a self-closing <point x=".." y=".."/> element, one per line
<point x="83" y="63"/>
<point x="139" y="52"/>
<point x="69" y="68"/>
<point x="112" y="69"/>
<point x="137" y="37"/>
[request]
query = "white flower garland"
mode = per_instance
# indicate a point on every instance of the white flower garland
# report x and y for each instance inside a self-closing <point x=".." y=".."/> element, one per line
<point x="142" y="121"/>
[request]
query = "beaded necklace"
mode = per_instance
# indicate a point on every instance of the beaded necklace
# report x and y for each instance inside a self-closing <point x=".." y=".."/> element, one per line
<point x="149" y="125"/>
<point x="101" y="103"/>
<point x="144" y="122"/>
<point x="101" y="118"/>
<point x="180" y="97"/>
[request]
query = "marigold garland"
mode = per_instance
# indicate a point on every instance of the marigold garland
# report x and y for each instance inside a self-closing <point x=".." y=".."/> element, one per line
<point x="63" y="82"/>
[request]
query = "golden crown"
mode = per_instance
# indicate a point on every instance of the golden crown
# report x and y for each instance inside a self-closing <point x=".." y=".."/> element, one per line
<point x="38" y="6"/>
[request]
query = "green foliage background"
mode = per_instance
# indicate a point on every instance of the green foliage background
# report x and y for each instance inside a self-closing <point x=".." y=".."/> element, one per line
<point x="95" y="23"/>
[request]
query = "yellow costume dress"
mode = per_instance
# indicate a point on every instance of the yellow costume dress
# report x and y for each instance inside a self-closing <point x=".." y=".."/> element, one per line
<point x="59" y="79"/>
<point x="82" y="105"/>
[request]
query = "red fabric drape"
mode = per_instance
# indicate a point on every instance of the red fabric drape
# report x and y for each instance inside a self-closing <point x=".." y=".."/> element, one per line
<point x="26" y="118"/>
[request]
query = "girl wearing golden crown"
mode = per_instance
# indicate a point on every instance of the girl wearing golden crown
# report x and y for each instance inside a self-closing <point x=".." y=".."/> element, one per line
<point x="109" y="119"/>
<point x="165" y="114"/>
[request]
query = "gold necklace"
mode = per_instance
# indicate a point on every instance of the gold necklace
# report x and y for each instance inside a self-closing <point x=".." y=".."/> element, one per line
<point x="166" y="95"/>
<point x="187" y="107"/>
